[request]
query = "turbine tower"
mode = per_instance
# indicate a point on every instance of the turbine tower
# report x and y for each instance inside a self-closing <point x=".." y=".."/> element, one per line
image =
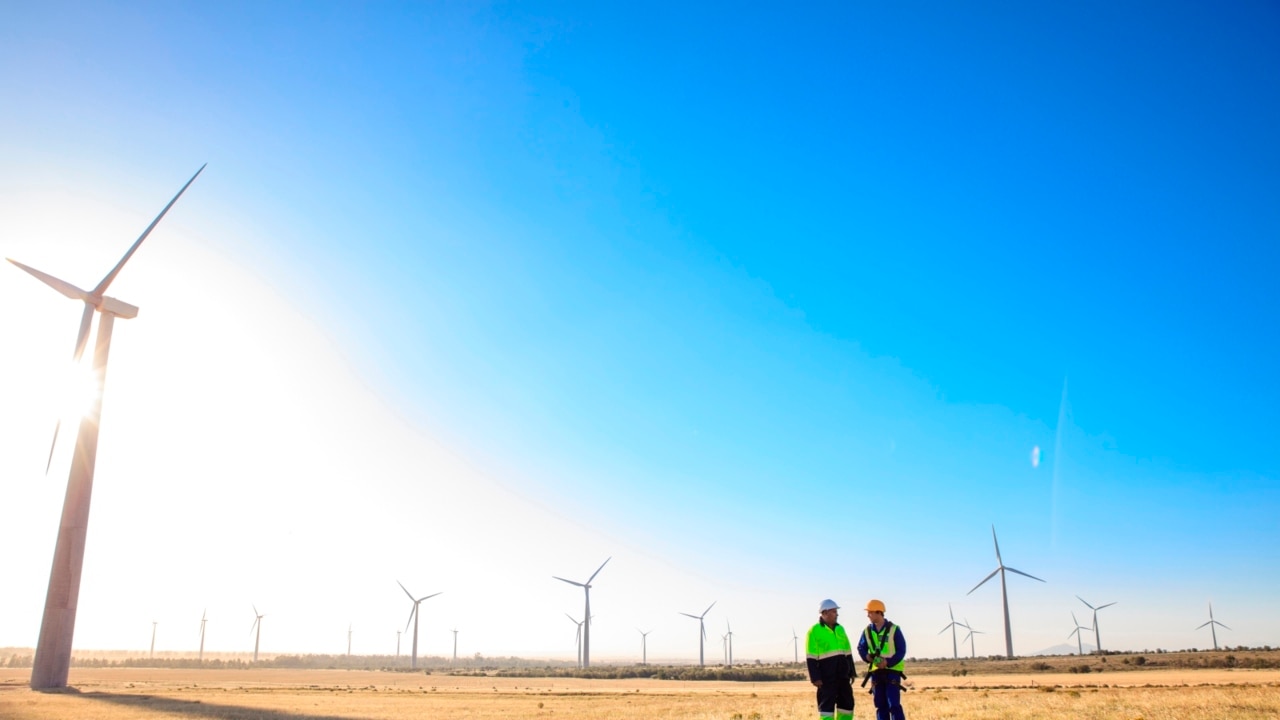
<point x="1211" y="625"/>
<point x="586" y="613"/>
<point x="795" y="645"/>
<point x="455" y="647"/>
<point x="728" y="633"/>
<point x="1004" y="592"/>
<point x="955" y="649"/>
<point x="1097" y="637"/>
<point x="153" y="639"/>
<point x="203" y="619"/>
<point x="973" y="653"/>
<point x="348" y="639"/>
<point x="644" y="646"/>
<point x="256" y="629"/>
<point x="398" y="643"/>
<point x="702" y="632"/>
<point x="57" y="628"/>
<point x="1079" y="637"/>
<point x="413" y="618"/>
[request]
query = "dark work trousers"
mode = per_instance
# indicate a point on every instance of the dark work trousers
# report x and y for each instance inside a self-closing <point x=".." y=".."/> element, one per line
<point x="835" y="700"/>
<point x="886" y="691"/>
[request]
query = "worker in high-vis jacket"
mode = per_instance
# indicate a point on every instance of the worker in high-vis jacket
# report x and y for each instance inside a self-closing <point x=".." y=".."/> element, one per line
<point x="830" y="659"/>
<point x="883" y="647"/>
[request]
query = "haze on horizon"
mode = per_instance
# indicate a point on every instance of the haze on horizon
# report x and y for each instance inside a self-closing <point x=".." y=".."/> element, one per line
<point x="769" y="306"/>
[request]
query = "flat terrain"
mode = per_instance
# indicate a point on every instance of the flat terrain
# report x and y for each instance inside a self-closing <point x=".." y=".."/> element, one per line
<point x="268" y="694"/>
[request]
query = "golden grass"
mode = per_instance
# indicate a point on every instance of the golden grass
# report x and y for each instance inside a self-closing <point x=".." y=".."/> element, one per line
<point x="162" y="694"/>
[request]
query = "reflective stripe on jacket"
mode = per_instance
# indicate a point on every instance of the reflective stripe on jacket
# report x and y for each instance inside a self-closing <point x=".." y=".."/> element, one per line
<point x="828" y="654"/>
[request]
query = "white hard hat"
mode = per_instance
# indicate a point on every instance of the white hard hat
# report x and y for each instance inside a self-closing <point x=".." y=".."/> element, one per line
<point x="828" y="604"/>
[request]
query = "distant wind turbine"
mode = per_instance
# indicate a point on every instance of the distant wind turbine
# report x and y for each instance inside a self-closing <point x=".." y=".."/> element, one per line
<point x="724" y="648"/>
<point x="973" y="653"/>
<point x="1097" y="636"/>
<point x="1004" y="592"/>
<point x="586" y="613"/>
<point x="795" y="645"/>
<point x="955" y="650"/>
<point x="1076" y="632"/>
<point x="644" y="646"/>
<point x="729" y="635"/>
<point x="1212" y="623"/>
<point x="702" y="632"/>
<point x="413" y="618"/>
<point x="203" y="620"/>
<point x="57" y="628"/>
<point x="348" y="639"/>
<point x="398" y="643"/>
<point x="577" y="638"/>
<point x="256" y="629"/>
<point x="153" y="638"/>
<point x="455" y="647"/>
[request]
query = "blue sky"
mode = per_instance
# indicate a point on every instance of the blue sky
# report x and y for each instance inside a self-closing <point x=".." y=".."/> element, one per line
<point x="781" y="299"/>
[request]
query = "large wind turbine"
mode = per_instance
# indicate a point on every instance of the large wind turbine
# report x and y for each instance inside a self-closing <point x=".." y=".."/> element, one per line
<point x="1004" y="592"/>
<point x="1097" y="636"/>
<point x="1211" y="625"/>
<point x="203" y="619"/>
<point x="53" y="650"/>
<point x="702" y="631"/>
<point x="256" y="629"/>
<point x="955" y="648"/>
<point x="1079" y="637"/>
<point x="586" y="613"/>
<point x="413" y="618"/>
<point x="973" y="652"/>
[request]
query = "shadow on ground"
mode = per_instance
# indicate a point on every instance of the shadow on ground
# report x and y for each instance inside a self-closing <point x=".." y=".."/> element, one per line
<point x="143" y="704"/>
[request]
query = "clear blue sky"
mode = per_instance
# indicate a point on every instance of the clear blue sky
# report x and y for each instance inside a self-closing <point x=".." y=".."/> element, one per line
<point x="784" y="296"/>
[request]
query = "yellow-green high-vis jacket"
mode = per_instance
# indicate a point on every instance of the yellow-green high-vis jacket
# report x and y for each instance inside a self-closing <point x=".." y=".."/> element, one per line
<point x="828" y="654"/>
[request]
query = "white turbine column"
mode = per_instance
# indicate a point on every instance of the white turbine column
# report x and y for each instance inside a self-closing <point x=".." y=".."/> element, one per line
<point x="53" y="650"/>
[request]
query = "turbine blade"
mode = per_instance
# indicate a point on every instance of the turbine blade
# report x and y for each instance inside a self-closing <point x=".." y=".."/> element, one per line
<point x="410" y="620"/>
<point x="1221" y="625"/>
<point x="984" y="580"/>
<point x="406" y="590"/>
<point x="597" y="572"/>
<point x="1105" y="606"/>
<point x="428" y="597"/>
<point x="61" y="286"/>
<point x="82" y="336"/>
<point x="695" y="617"/>
<point x="704" y="612"/>
<point x="1200" y="626"/>
<point x="1033" y="577"/>
<point x="111" y="276"/>
<point x="570" y="581"/>
<point x="997" y="542"/>
<point x="52" y="444"/>
<point x="1086" y="603"/>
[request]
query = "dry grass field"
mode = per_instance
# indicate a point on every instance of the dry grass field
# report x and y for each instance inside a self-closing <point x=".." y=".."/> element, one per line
<point x="163" y="694"/>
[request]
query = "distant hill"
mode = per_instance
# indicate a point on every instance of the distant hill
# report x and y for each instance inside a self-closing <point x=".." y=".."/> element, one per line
<point x="1063" y="649"/>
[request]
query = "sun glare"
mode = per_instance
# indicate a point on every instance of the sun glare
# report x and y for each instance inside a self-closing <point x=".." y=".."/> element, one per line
<point x="75" y="389"/>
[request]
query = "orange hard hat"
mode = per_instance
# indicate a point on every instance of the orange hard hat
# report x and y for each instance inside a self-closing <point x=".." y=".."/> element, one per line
<point x="875" y="606"/>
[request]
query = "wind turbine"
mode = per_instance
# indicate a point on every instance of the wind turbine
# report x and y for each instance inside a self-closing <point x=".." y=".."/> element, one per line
<point x="1004" y="592"/>
<point x="729" y="634"/>
<point x="724" y="648"/>
<point x="57" y="628"/>
<point x="413" y="618"/>
<point x="702" y="629"/>
<point x="455" y="647"/>
<point x="795" y="645"/>
<point x="398" y="643"/>
<point x="586" y="613"/>
<point x="348" y="639"/>
<point x="203" y="619"/>
<point x="577" y="638"/>
<point x="973" y="653"/>
<point x="644" y="646"/>
<point x="955" y="651"/>
<point x="1097" y="637"/>
<point x="1211" y="625"/>
<point x="153" y="639"/>
<point x="1079" y="637"/>
<point x="256" y="628"/>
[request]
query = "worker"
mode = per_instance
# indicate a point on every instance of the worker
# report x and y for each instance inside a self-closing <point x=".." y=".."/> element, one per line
<point x="829" y="657"/>
<point x="883" y="647"/>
